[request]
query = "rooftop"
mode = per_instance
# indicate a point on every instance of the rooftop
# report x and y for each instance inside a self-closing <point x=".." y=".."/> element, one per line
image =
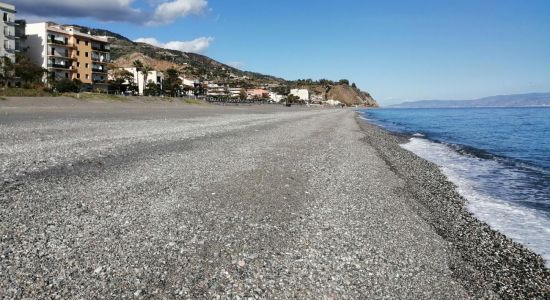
<point x="8" y="7"/>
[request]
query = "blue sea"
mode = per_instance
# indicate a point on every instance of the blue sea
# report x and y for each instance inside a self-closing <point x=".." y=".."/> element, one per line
<point x="499" y="158"/>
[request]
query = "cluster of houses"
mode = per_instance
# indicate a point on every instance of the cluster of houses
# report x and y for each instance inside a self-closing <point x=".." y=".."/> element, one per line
<point x="69" y="52"/>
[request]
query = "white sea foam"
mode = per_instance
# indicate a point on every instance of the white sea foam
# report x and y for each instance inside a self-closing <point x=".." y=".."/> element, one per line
<point x="471" y="175"/>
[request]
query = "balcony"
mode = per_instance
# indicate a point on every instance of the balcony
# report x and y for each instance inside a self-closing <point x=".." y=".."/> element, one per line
<point x="59" y="66"/>
<point x="9" y="22"/>
<point x="101" y="58"/>
<point x="58" y="42"/>
<point x="99" y="70"/>
<point x="100" y="48"/>
<point x="61" y="55"/>
<point x="10" y="35"/>
<point x="9" y="49"/>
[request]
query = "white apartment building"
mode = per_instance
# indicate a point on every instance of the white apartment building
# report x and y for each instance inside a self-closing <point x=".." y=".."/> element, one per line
<point x="235" y="92"/>
<point x="69" y="53"/>
<point x="155" y="77"/>
<point x="276" y="97"/>
<point x="215" y="90"/>
<point x="7" y="32"/>
<point x="189" y="82"/>
<point x="303" y="94"/>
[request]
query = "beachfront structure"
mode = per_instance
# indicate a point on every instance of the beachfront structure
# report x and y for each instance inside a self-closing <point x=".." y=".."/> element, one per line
<point x="332" y="102"/>
<point x="303" y="94"/>
<point x="69" y="53"/>
<point x="235" y="92"/>
<point x="141" y="82"/>
<point x="276" y="97"/>
<point x="257" y="94"/>
<point x="317" y="98"/>
<point x="7" y="32"/>
<point x="189" y="82"/>
<point x="215" y="90"/>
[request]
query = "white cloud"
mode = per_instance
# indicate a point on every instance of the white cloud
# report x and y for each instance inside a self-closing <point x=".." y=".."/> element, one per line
<point x="169" y="11"/>
<point x="198" y="45"/>
<point x="163" y="12"/>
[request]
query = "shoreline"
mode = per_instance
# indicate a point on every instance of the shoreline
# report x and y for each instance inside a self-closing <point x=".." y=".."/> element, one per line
<point x="482" y="259"/>
<point x="198" y="202"/>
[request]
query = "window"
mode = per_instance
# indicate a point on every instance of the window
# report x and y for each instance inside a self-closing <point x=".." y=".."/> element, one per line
<point x="86" y="54"/>
<point x="53" y="51"/>
<point x="87" y="65"/>
<point x="78" y="41"/>
<point x="5" y="16"/>
<point x="66" y="75"/>
<point x="78" y="75"/>
<point x="77" y="52"/>
<point x="77" y="64"/>
<point x="86" y="43"/>
<point x="87" y="76"/>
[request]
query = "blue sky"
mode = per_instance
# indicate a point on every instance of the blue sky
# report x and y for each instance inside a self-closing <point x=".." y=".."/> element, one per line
<point x="397" y="50"/>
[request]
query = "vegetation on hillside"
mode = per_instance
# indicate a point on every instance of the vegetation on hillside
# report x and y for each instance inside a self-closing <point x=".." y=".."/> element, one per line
<point x="124" y="52"/>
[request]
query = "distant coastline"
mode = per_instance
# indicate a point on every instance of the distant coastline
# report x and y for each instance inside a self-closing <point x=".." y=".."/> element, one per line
<point x="516" y="100"/>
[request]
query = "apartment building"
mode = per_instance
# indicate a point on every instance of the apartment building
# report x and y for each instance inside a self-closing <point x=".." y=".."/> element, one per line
<point x="7" y="32"/>
<point x="69" y="53"/>
<point x="155" y="77"/>
<point x="303" y="94"/>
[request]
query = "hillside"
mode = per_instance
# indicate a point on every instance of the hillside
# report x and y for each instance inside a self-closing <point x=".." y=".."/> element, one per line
<point x="124" y="52"/>
<point x="350" y="96"/>
<point x="517" y="100"/>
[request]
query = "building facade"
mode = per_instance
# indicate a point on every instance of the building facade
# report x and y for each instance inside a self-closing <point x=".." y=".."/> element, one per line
<point x="257" y="94"/>
<point x="155" y="77"/>
<point x="7" y="32"/>
<point x="68" y="53"/>
<point x="303" y="94"/>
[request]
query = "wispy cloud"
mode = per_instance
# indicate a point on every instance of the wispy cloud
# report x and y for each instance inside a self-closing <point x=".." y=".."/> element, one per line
<point x="163" y="12"/>
<point x="236" y="64"/>
<point x="169" y="11"/>
<point x="198" y="45"/>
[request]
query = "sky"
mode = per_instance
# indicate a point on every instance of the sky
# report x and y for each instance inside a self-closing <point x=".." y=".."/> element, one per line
<point x="395" y="49"/>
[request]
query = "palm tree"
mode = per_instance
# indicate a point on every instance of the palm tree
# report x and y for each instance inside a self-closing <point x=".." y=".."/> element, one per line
<point x="139" y="67"/>
<point x="146" y="69"/>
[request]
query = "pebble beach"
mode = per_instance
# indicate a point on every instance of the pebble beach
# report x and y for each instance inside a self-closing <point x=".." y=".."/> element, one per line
<point x="165" y="200"/>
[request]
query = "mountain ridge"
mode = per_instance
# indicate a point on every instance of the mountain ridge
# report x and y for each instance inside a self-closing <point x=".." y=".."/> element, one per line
<point x="512" y="100"/>
<point x="124" y="51"/>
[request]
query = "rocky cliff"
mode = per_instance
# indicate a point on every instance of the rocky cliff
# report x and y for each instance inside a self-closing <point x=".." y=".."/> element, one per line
<point x="350" y="95"/>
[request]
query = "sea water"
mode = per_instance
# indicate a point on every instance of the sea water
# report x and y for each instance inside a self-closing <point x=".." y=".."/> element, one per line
<point x="499" y="158"/>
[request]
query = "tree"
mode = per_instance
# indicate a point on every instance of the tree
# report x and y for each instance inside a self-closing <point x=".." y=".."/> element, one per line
<point x="123" y="80"/>
<point x="281" y="90"/>
<point x="152" y="89"/>
<point x="353" y="85"/>
<point x="145" y="70"/>
<point x="172" y="82"/>
<point x="28" y="72"/>
<point x="292" y="99"/>
<point x="67" y="86"/>
<point x="7" y="71"/>
<point x="139" y="67"/>
<point x="243" y="95"/>
<point x="344" y="81"/>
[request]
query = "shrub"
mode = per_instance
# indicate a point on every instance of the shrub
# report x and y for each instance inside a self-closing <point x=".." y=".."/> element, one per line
<point x="67" y="86"/>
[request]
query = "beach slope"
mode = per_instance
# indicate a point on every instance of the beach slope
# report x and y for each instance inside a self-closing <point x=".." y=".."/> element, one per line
<point x="169" y="201"/>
